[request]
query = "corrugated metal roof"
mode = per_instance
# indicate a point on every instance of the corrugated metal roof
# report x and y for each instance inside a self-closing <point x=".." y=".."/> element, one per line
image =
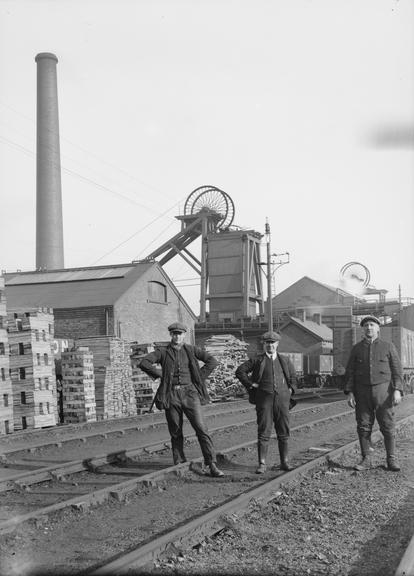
<point x="69" y="275"/>
<point x="99" y="286"/>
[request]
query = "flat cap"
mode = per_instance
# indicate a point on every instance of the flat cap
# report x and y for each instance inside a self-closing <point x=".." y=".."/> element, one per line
<point x="271" y="337"/>
<point x="177" y="327"/>
<point x="369" y="319"/>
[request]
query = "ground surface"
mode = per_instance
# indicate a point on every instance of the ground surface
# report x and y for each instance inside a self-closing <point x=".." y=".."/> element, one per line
<point x="336" y="522"/>
<point x="327" y="524"/>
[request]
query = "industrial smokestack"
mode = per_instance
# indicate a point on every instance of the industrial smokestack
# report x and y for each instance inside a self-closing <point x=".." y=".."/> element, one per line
<point x="49" y="222"/>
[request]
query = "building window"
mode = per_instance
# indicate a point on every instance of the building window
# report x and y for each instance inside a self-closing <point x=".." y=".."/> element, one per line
<point x="5" y="399"/>
<point x="22" y="397"/>
<point x="24" y="422"/>
<point x="40" y="384"/>
<point x="37" y="335"/>
<point x="47" y="383"/>
<point x="44" y="335"/>
<point x="46" y="359"/>
<point x="2" y="349"/>
<point x="48" y="407"/>
<point x="50" y="328"/>
<point x="41" y="411"/>
<point x="157" y="292"/>
<point x="6" y="427"/>
<point x="38" y="358"/>
<point x="21" y="349"/>
<point x="22" y="373"/>
<point x="3" y="374"/>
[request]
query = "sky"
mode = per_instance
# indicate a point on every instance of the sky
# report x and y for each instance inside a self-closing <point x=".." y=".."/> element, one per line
<point x="302" y="111"/>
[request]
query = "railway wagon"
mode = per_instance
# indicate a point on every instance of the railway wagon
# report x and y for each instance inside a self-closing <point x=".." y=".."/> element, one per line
<point x="403" y="340"/>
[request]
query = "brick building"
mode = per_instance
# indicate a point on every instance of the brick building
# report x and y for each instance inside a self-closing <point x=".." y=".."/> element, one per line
<point x="135" y="302"/>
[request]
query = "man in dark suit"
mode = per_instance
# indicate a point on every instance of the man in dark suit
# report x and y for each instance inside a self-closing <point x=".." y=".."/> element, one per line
<point x="374" y="385"/>
<point x="270" y="380"/>
<point x="182" y="391"/>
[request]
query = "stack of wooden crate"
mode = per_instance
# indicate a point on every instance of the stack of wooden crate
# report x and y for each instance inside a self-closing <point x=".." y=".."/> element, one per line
<point x="230" y="353"/>
<point x="6" y="394"/>
<point x="32" y="367"/>
<point x="144" y="386"/>
<point x="114" y="392"/>
<point x="78" y="385"/>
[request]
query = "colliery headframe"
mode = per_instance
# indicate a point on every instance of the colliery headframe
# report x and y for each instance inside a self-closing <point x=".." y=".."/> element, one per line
<point x="229" y="264"/>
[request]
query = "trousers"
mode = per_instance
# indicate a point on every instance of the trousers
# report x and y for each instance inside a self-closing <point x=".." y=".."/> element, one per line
<point x="374" y="402"/>
<point x="185" y="400"/>
<point x="272" y="410"/>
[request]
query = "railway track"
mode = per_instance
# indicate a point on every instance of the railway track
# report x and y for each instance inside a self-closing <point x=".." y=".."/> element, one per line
<point x="195" y="530"/>
<point x="85" y="482"/>
<point x="147" y="515"/>
<point x="38" y="439"/>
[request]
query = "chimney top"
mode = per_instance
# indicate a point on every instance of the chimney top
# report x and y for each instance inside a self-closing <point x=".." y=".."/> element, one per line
<point x="43" y="55"/>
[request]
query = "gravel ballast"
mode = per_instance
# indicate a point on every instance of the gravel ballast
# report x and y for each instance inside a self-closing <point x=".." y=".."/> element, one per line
<point x="336" y="521"/>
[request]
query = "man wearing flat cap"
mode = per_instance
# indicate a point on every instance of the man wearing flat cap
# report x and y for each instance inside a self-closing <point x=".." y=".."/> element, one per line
<point x="374" y="385"/>
<point x="270" y="380"/>
<point x="183" y="391"/>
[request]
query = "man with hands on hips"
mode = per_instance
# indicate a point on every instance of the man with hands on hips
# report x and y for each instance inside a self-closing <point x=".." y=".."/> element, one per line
<point x="374" y="384"/>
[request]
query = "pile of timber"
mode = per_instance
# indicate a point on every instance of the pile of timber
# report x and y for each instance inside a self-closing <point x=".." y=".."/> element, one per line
<point x="144" y="386"/>
<point x="230" y="352"/>
<point x="114" y="392"/>
<point x="78" y="386"/>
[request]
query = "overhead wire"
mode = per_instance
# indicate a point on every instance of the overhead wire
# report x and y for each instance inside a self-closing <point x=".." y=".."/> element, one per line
<point x="63" y="138"/>
<point x="136" y="234"/>
<point x="88" y="180"/>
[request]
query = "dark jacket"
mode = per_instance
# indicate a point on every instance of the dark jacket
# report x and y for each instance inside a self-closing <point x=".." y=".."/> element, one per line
<point x="251" y="371"/>
<point x="165" y="357"/>
<point x="384" y="366"/>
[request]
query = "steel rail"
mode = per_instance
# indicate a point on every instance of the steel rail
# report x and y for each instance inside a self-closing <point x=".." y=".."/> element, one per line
<point x="121" y="489"/>
<point x="406" y="565"/>
<point x="208" y="524"/>
<point x="154" y="419"/>
<point x="58" y="471"/>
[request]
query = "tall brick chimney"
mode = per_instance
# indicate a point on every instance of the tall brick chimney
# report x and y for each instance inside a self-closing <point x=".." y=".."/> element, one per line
<point x="49" y="222"/>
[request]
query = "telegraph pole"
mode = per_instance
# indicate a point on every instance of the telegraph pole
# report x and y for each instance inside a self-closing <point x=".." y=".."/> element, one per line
<point x="269" y="278"/>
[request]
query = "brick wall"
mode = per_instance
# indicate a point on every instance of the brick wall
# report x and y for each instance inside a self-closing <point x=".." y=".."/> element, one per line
<point x="84" y="322"/>
<point x="143" y="320"/>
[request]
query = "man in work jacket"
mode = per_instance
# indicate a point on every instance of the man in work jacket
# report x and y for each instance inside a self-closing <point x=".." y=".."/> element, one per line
<point x="182" y="391"/>
<point x="374" y="385"/>
<point x="270" y="380"/>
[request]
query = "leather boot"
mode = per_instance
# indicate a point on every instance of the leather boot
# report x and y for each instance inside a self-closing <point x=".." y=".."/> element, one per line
<point x="177" y="446"/>
<point x="262" y="454"/>
<point x="392" y="463"/>
<point x="283" y="453"/>
<point x="214" y="471"/>
<point x="365" y="443"/>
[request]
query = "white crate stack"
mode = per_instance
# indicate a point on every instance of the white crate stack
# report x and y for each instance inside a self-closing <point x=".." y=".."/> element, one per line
<point x="144" y="386"/>
<point x="6" y="392"/>
<point x="114" y="391"/>
<point x="32" y="367"/>
<point x="78" y="385"/>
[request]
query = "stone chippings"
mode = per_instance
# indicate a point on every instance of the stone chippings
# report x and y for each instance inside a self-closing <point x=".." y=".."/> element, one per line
<point x="335" y="522"/>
